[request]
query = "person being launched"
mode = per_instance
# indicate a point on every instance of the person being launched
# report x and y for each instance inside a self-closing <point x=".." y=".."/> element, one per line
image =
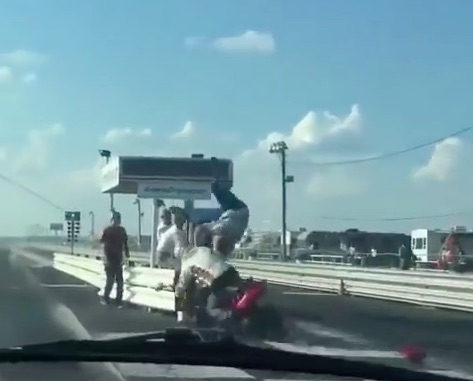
<point x="209" y="272"/>
<point x="233" y="222"/>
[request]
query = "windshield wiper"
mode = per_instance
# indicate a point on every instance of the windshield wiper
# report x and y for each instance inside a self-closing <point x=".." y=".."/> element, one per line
<point x="189" y="347"/>
<point x="171" y="335"/>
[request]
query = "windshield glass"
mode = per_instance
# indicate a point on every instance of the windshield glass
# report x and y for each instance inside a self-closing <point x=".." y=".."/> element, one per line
<point x="317" y="153"/>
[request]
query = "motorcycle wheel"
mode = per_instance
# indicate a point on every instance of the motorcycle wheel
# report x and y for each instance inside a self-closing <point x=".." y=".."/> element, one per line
<point x="264" y="323"/>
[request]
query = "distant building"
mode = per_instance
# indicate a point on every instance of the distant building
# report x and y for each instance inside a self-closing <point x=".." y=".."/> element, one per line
<point x="363" y="242"/>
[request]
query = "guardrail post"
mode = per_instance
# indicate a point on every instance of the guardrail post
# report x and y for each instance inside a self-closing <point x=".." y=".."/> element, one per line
<point x="342" y="290"/>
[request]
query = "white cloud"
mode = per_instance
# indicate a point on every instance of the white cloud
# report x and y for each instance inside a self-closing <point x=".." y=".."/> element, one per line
<point x="186" y="132"/>
<point x="29" y="78"/>
<point x="118" y="135"/>
<point x="442" y="163"/>
<point x="6" y="75"/>
<point x="36" y="153"/>
<point x="22" y="58"/>
<point x="255" y="168"/>
<point x="312" y="130"/>
<point x="335" y="183"/>
<point x="248" y="42"/>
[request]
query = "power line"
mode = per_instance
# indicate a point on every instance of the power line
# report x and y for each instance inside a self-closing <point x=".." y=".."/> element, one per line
<point x="30" y="191"/>
<point x="391" y="219"/>
<point x="385" y="155"/>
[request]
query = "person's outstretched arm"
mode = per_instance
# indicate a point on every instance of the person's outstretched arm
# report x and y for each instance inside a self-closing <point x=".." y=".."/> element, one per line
<point x="125" y="243"/>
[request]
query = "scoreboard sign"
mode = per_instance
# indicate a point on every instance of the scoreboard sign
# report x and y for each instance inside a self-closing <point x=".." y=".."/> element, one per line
<point x="123" y="174"/>
<point x="175" y="168"/>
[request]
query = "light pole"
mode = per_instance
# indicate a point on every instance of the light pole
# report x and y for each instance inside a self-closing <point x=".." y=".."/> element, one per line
<point x="106" y="154"/>
<point x="280" y="148"/>
<point x="92" y="224"/>
<point x="140" y="215"/>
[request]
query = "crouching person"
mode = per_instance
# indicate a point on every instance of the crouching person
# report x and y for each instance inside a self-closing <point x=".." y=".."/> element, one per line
<point x="208" y="271"/>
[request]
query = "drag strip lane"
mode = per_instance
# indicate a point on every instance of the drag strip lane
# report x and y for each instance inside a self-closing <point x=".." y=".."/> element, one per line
<point x="391" y="325"/>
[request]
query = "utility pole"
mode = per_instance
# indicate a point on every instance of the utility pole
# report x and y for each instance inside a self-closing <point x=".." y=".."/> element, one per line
<point x="280" y="148"/>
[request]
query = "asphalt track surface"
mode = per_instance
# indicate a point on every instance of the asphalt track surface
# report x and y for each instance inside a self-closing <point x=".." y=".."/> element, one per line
<point x="40" y="304"/>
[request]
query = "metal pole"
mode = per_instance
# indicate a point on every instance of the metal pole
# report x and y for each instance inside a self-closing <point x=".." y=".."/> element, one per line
<point x="154" y="231"/>
<point x="284" y="204"/>
<point x="112" y="204"/>
<point x="138" y="202"/>
<point x="92" y="223"/>
<point x="73" y="235"/>
<point x="188" y="208"/>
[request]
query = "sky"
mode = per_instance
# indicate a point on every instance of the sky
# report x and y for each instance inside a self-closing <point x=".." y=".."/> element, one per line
<point x="337" y="80"/>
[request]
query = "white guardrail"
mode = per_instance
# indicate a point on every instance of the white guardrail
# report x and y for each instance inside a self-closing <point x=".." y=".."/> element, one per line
<point x="437" y="289"/>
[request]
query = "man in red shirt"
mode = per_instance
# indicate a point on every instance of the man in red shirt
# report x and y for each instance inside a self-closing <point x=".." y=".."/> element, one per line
<point x="115" y="243"/>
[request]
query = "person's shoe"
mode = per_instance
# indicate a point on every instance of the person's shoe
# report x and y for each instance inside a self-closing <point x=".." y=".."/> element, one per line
<point x="105" y="302"/>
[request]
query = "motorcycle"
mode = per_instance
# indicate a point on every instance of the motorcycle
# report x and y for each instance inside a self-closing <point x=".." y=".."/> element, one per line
<point x="250" y="317"/>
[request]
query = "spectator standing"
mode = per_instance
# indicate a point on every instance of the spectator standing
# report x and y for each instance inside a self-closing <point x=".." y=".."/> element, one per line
<point x="406" y="257"/>
<point x="115" y="244"/>
<point x="166" y="223"/>
<point x="163" y="250"/>
<point x="179" y="239"/>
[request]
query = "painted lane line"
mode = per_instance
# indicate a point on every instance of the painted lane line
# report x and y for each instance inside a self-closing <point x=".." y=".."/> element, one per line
<point x="336" y="352"/>
<point x="37" y="259"/>
<point x="181" y="371"/>
<point x="452" y="373"/>
<point x="307" y="293"/>
<point x="319" y="330"/>
<point x="71" y="285"/>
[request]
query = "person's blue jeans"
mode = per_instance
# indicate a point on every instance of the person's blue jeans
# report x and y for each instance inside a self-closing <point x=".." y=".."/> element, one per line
<point x="114" y="274"/>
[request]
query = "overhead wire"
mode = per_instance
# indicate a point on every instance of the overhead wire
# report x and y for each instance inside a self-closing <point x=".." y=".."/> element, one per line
<point x="392" y="219"/>
<point x="384" y="155"/>
<point x="31" y="191"/>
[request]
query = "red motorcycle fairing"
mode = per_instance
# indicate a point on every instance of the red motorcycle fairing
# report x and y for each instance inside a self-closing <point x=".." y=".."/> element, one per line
<point x="244" y="302"/>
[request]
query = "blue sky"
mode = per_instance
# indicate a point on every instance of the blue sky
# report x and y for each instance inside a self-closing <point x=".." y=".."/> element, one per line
<point x="100" y="66"/>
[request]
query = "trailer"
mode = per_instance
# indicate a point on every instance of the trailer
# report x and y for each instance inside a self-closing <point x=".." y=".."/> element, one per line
<point x="429" y="245"/>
